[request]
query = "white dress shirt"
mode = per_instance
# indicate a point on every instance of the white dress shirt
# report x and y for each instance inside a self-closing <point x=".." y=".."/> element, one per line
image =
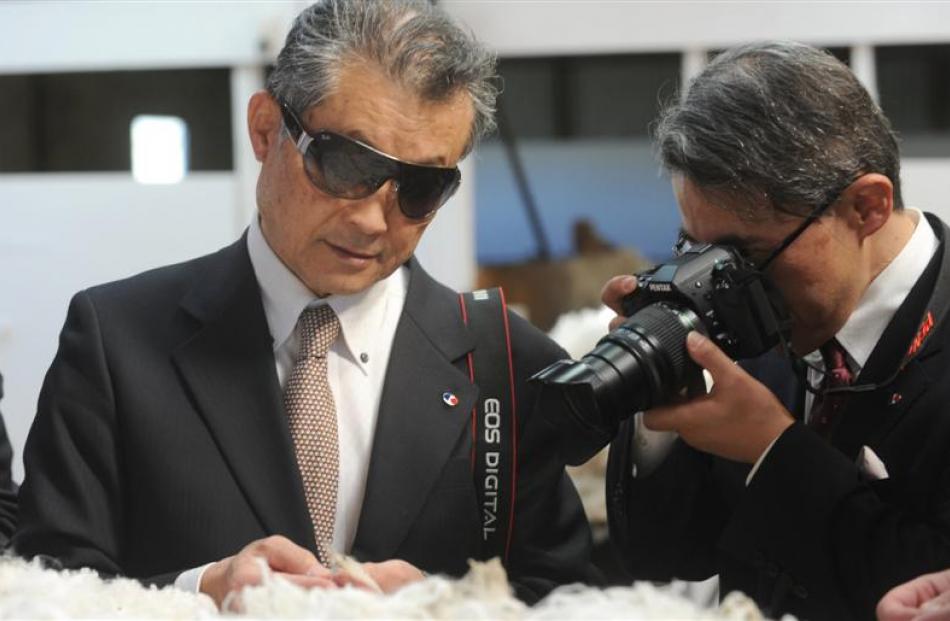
<point x="858" y="337"/>
<point x="356" y="368"/>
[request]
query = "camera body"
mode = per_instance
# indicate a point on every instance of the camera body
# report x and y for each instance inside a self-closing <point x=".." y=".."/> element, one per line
<point x="737" y="307"/>
<point x="643" y="363"/>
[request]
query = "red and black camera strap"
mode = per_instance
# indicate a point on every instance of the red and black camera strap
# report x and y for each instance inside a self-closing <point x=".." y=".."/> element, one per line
<point x="494" y="418"/>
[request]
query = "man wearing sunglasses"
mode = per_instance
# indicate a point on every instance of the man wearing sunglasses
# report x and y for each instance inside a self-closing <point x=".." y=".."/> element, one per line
<point x="816" y="486"/>
<point x="303" y="392"/>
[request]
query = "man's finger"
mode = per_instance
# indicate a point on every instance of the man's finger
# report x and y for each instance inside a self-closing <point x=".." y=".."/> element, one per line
<point x="668" y="418"/>
<point x="616" y="289"/>
<point x="940" y="602"/>
<point x="706" y="354"/>
<point x="941" y="614"/>
<point x="343" y="578"/>
<point x="895" y="611"/>
<point x="284" y="555"/>
<point x="902" y="603"/>
<point x="310" y="582"/>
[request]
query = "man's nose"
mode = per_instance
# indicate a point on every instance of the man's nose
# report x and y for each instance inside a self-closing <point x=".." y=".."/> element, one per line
<point x="369" y="214"/>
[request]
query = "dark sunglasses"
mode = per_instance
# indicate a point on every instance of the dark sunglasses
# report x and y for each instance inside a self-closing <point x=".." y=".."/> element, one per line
<point x="347" y="168"/>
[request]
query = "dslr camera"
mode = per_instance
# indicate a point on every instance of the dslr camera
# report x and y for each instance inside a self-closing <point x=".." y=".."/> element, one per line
<point x="644" y="363"/>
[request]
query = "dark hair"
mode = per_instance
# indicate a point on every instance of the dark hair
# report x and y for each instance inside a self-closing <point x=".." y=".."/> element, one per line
<point x="413" y="42"/>
<point x="784" y="123"/>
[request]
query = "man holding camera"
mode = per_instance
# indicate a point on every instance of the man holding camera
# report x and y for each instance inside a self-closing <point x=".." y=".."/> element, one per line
<point x="824" y="483"/>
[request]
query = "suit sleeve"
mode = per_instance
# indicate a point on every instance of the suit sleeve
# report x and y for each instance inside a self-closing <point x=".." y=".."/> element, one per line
<point x="668" y="524"/>
<point x="70" y="501"/>
<point x="810" y="516"/>
<point x="551" y="542"/>
<point x="8" y="490"/>
<point x="665" y="525"/>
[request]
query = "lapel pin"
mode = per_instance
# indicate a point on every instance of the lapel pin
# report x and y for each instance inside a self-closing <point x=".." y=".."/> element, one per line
<point x="896" y="398"/>
<point x="450" y="399"/>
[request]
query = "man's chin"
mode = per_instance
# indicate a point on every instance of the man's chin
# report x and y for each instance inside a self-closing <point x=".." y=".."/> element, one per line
<point x="345" y="284"/>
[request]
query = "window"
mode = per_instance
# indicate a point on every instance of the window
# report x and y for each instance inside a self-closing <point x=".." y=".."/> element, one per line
<point x="612" y="96"/>
<point x="80" y="122"/>
<point x="914" y="83"/>
<point x="914" y="86"/>
<point x="159" y="149"/>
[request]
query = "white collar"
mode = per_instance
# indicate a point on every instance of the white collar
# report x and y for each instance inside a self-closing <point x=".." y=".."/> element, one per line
<point x="284" y="297"/>
<point x="887" y="292"/>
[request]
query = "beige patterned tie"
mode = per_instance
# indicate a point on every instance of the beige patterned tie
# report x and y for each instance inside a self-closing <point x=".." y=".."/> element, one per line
<point x="313" y="425"/>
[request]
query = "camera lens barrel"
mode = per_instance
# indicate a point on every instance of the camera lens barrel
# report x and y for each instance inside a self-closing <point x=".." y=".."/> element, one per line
<point x="647" y="354"/>
<point x="641" y="364"/>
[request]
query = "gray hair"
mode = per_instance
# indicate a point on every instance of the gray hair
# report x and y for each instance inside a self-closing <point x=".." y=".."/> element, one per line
<point x="784" y="123"/>
<point x="413" y="42"/>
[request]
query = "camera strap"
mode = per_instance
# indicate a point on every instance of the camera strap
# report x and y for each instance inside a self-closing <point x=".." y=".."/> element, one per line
<point x="494" y="418"/>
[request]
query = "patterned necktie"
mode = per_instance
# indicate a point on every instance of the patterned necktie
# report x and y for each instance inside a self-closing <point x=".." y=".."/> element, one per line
<point x="826" y="408"/>
<point x="313" y="425"/>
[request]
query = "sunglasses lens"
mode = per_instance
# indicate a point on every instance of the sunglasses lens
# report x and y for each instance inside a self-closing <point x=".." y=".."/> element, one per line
<point x="346" y="169"/>
<point x="422" y="189"/>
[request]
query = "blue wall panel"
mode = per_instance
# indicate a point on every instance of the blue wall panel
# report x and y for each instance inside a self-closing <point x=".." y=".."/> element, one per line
<point x="615" y="184"/>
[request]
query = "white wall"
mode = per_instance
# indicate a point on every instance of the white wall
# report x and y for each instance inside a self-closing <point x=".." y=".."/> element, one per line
<point x="544" y="27"/>
<point x="62" y="233"/>
<point x="75" y="35"/>
<point x="71" y="35"/>
<point x="447" y="249"/>
<point x="925" y="184"/>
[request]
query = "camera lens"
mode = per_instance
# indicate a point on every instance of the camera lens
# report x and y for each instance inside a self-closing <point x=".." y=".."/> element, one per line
<point x="641" y="364"/>
<point x="644" y="361"/>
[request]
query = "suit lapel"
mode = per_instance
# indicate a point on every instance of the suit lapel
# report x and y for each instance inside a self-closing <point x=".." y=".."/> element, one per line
<point x="416" y="431"/>
<point x="228" y="366"/>
<point x="870" y="416"/>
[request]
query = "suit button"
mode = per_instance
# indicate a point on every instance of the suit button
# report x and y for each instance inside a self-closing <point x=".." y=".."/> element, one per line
<point x="800" y="592"/>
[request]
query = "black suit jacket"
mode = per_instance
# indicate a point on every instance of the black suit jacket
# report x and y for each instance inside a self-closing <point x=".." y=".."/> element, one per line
<point x="161" y="442"/>
<point x="811" y="535"/>
<point x="8" y="490"/>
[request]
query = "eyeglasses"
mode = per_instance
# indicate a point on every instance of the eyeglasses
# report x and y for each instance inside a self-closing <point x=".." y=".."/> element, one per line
<point x="684" y="243"/>
<point x="347" y="168"/>
<point x="791" y="237"/>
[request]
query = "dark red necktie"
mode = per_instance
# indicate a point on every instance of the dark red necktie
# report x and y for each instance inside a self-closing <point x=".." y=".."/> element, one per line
<point x="826" y="408"/>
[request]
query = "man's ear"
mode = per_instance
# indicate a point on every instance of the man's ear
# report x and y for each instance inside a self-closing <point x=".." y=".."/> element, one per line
<point x="867" y="203"/>
<point x="263" y="123"/>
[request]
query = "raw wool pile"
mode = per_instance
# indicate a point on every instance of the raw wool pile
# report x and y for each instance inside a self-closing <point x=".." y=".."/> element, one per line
<point x="578" y="331"/>
<point x="483" y="593"/>
<point x="28" y="591"/>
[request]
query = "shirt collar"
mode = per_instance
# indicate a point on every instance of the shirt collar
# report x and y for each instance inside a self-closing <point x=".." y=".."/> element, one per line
<point x="284" y="297"/>
<point x="886" y="293"/>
